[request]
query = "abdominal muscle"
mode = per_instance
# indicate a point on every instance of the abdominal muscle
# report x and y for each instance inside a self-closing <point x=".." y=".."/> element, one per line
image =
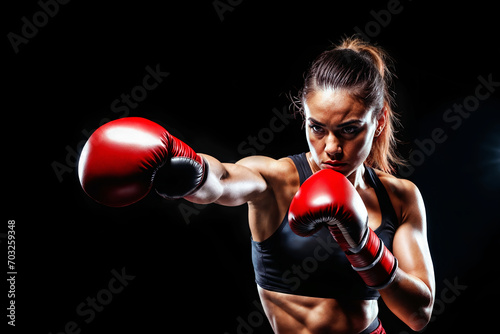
<point x="310" y="315"/>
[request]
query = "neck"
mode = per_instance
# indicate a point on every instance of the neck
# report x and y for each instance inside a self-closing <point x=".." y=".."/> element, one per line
<point x="314" y="167"/>
<point x="357" y="177"/>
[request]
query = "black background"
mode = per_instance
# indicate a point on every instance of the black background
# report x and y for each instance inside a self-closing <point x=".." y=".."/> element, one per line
<point x="192" y="265"/>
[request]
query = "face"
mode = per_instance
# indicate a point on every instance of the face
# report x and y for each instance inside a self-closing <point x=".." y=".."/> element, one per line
<point x="339" y="130"/>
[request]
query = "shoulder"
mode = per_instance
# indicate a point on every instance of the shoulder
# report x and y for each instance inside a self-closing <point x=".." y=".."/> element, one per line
<point x="405" y="197"/>
<point x="281" y="176"/>
<point x="399" y="187"/>
<point x="273" y="170"/>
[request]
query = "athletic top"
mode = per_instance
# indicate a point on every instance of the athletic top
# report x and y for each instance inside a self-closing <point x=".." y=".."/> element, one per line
<point x="316" y="266"/>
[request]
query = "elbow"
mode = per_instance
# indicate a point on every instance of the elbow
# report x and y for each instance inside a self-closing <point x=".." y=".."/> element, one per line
<point x="418" y="325"/>
<point x="420" y="318"/>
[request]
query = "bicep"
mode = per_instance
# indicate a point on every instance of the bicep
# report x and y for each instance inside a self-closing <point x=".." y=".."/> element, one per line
<point x="241" y="183"/>
<point x="230" y="184"/>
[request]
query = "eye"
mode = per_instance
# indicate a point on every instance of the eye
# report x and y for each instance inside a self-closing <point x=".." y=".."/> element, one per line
<point x="349" y="130"/>
<point x="316" y="128"/>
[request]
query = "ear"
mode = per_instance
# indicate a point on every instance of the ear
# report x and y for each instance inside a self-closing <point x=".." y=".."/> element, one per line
<point x="381" y="121"/>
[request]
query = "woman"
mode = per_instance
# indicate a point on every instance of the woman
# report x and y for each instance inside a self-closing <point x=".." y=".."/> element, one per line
<point x="306" y="284"/>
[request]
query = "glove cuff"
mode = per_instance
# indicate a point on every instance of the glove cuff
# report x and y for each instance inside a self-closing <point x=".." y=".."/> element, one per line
<point x="374" y="263"/>
<point x="180" y="177"/>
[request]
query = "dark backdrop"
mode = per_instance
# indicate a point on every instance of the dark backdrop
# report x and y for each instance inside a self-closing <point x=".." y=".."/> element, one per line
<point x="231" y="65"/>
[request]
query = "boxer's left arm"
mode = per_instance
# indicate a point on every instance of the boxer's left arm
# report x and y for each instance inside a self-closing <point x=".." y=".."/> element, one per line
<point x="406" y="284"/>
<point x="411" y="294"/>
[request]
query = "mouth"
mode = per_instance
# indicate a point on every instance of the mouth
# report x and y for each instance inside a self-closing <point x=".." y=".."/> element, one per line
<point x="335" y="165"/>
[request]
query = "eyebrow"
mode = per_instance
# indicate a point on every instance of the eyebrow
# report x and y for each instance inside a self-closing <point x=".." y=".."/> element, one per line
<point x="354" y="121"/>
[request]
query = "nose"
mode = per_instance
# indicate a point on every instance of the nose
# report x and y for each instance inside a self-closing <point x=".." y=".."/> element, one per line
<point x="333" y="147"/>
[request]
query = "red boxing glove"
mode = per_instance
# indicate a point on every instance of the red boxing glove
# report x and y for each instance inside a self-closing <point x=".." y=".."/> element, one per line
<point x="328" y="198"/>
<point x="121" y="159"/>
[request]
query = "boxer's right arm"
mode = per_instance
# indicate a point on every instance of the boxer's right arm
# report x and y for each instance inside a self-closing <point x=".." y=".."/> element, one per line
<point x="126" y="158"/>
<point x="232" y="184"/>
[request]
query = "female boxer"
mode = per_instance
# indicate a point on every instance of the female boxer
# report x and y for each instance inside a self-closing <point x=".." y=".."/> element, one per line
<point x="322" y="255"/>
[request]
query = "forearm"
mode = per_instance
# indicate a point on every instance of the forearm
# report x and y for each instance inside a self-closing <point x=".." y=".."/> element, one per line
<point x="410" y="299"/>
<point x="227" y="184"/>
<point x="212" y="189"/>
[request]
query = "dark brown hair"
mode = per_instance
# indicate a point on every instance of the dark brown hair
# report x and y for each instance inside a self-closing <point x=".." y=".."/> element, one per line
<point x="364" y="70"/>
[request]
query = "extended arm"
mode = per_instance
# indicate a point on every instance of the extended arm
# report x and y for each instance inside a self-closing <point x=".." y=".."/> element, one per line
<point x="126" y="158"/>
<point x="230" y="184"/>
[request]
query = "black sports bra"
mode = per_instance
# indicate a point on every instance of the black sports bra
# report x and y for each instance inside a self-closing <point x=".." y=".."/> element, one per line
<point x="316" y="266"/>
